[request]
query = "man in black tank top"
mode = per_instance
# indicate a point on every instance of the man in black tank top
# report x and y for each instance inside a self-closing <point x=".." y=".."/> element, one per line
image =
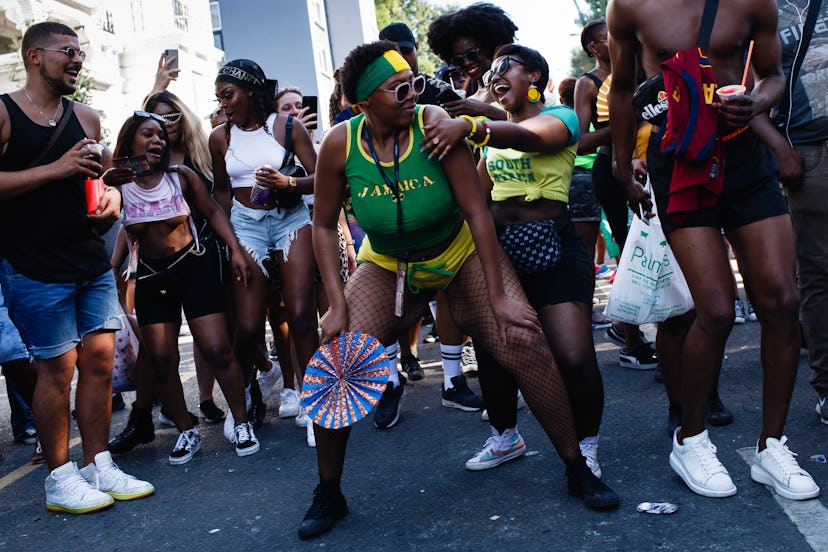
<point x="54" y="270"/>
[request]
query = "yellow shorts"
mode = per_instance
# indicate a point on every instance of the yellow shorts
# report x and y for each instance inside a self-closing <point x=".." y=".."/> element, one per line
<point x="436" y="273"/>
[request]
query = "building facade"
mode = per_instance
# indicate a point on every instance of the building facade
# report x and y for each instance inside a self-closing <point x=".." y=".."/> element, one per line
<point x="124" y="40"/>
<point x="297" y="42"/>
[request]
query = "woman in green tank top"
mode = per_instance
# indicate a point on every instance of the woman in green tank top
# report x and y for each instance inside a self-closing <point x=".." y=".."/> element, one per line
<point x="484" y="292"/>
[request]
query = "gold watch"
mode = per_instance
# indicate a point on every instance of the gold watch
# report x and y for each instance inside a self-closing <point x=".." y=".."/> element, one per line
<point x="292" y="182"/>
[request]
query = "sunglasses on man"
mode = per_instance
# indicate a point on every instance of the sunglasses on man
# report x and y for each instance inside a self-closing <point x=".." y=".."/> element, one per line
<point x="70" y="52"/>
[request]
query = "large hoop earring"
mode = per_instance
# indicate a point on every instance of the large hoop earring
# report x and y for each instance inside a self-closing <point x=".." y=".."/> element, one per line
<point x="533" y="95"/>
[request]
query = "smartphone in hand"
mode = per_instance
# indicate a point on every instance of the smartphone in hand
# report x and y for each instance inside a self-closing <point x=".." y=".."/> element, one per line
<point x="448" y="95"/>
<point x="172" y="53"/>
<point x="312" y="103"/>
<point x="137" y="163"/>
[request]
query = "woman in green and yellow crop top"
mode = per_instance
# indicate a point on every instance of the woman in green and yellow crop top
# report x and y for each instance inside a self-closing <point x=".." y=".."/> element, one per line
<point x="408" y="206"/>
<point x="527" y="165"/>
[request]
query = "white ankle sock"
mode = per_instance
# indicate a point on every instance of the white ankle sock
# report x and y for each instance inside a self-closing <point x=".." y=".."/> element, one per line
<point x="391" y="353"/>
<point x="450" y="354"/>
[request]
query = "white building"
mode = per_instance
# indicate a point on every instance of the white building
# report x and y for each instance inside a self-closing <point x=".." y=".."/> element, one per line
<point x="297" y="42"/>
<point x="124" y="40"/>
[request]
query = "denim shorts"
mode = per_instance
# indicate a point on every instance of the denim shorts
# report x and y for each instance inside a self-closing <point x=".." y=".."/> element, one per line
<point x="583" y="207"/>
<point x="11" y="345"/>
<point x="53" y="317"/>
<point x="265" y="231"/>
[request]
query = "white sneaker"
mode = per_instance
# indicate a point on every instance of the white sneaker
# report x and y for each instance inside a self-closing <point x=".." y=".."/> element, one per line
<point x="739" y="312"/>
<point x="310" y="434"/>
<point x="751" y="314"/>
<point x="189" y="443"/>
<point x="67" y="491"/>
<point x="289" y="403"/>
<point x="777" y="467"/>
<point x="269" y="379"/>
<point x="229" y="422"/>
<point x="105" y="476"/>
<point x="468" y="358"/>
<point x="696" y="463"/>
<point x="245" y="440"/>
<point x="302" y="420"/>
<point x="589" y="450"/>
<point x="498" y="449"/>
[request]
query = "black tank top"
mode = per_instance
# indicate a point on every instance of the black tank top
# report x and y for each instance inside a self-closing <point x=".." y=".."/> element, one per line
<point x="45" y="234"/>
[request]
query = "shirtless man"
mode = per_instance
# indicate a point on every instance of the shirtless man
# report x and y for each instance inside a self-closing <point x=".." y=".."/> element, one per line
<point x="751" y="210"/>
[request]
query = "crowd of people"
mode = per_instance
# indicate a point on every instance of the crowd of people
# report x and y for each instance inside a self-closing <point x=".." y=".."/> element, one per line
<point x="473" y="196"/>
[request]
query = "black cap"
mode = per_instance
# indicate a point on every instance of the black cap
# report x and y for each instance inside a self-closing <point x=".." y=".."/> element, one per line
<point x="399" y="33"/>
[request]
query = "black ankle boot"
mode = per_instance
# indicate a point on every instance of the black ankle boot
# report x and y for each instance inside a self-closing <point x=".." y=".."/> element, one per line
<point x="583" y="484"/>
<point x="328" y="507"/>
<point x="717" y="412"/>
<point x="139" y="430"/>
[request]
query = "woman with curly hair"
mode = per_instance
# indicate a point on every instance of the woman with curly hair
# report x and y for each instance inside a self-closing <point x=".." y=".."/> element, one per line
<point x="526" y="167"/>
<point x="267" y="212"/>
<point x="436" y="235"/>
<point x="467" y="39"/>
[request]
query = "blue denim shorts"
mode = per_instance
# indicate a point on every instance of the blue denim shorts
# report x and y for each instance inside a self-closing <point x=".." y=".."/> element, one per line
<point x="53" y="317"/>
<point x="262" y="232"/>
<point x="11" y="345"/>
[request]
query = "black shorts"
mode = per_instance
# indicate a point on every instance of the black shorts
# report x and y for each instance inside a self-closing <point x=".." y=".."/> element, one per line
<point x="572" y="280"/>
<point x="186" y="279"/>
<point x="751" y="190"/>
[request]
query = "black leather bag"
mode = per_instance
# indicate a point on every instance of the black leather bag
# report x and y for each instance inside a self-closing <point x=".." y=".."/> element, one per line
<point x="289" y="198"/>
<point x="650" y="100"/>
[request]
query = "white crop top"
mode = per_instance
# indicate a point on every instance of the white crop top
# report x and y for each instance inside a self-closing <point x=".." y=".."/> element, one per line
<point x="249" y="150"/>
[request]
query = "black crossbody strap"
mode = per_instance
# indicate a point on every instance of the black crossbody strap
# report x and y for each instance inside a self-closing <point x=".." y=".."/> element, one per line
<point x="814" y="7"/>
<point x="707" y="20"/>
<point x="288" y="141"/>
<point x="67" y="114"/>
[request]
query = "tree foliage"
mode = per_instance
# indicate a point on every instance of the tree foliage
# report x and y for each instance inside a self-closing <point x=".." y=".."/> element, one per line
<point x="417" y="14"/>
<point x="594" y="9"/>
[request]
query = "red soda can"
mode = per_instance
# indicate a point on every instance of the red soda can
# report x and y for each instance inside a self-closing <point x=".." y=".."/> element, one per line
<point x="94" y="193"/>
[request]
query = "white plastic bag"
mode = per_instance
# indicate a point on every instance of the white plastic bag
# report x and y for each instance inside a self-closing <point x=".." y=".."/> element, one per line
<point x="649" y="285"/>
<point x="126" y="355"/>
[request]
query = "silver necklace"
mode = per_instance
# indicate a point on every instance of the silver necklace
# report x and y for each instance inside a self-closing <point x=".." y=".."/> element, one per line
<point x="53" y="119"/>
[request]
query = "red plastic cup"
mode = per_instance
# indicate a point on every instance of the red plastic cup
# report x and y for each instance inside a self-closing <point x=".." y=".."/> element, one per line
<point x="94" y="193"/>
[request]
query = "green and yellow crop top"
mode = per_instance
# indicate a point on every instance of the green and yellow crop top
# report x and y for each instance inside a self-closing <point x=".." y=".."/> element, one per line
<point x="430" y="210"/>
<point x="535" y="175"/>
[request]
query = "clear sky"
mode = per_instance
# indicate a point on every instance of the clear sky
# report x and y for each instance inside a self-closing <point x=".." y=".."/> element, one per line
<point x="547" y="26"/>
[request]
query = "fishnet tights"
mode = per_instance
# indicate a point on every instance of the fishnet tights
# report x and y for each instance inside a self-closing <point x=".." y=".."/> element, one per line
<point x="369" y="295"/>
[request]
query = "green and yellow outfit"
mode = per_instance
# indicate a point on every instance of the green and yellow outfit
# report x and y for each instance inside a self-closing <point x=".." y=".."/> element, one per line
<point x="431" y="213"/>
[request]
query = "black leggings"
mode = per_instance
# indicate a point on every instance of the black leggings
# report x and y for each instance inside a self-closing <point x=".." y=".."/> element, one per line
<point x="611" y="196"/>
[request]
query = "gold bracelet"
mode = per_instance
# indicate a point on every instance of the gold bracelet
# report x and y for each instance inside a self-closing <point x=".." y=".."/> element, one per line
<point x="487" y="138"/>
<point x="473" y="122"/>
<point x="292" y="181"/>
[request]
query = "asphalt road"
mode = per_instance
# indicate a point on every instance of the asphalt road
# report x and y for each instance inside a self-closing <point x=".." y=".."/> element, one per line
<point x="407" y="487"/>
